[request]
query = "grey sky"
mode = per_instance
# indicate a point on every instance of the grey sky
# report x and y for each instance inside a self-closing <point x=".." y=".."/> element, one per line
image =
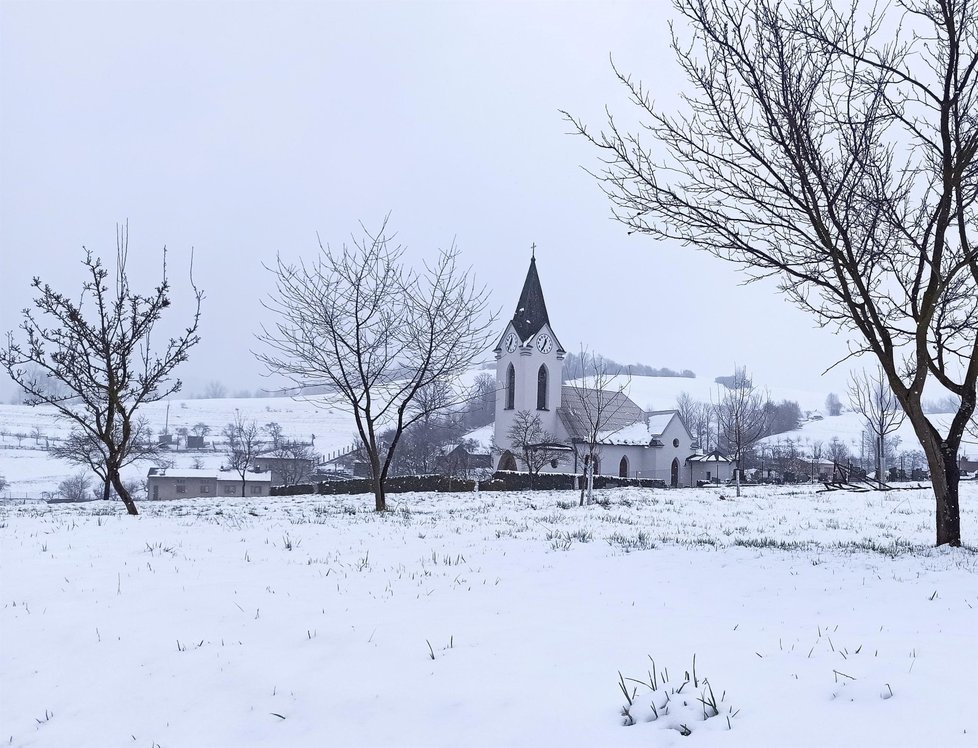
<point x="242" y="129"/>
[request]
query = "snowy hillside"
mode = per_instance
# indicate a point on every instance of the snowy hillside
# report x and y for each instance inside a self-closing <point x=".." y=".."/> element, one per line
<point x="848" y="427"/>
<point x="32" y="470"/>
<point x="661" y="393"/>
<point x="490" y="620"/>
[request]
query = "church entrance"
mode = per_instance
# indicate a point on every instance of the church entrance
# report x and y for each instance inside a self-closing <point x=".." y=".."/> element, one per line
<point x="674" y="482"/>
<point x="507" y="461"/>
<point x="623" y="468"/>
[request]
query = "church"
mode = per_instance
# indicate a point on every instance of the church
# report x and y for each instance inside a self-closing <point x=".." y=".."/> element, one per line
<point x="633" y="443"/>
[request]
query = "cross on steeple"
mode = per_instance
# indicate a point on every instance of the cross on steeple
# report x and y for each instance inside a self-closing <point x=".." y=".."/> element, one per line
<point x="531" y="310"/>
<point x="533" y="250"/>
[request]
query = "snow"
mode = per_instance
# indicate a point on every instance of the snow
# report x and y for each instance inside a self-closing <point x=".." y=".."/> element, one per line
<point x="640" y="432"/>
<point x="482" y="436"/>
<point x="661" y="393"/>
<point x="31" y="470"/>
<point x="848" y="428"/>
<point x="817" y="619"/>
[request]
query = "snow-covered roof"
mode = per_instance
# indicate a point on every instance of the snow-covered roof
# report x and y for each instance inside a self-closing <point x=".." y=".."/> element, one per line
<point x="635" y="433"/>
<point x="711" y="457"/>
<point x="659" y="421"/>
<point x="482" y="436"/>
<point x="641" y="432"/>
<point x="191" y="474"/>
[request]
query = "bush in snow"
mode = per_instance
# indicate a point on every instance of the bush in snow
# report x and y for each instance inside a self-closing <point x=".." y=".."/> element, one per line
<point x="75" y="488"/>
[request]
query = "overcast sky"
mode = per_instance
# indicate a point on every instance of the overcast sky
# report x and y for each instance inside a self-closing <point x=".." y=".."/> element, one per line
<point x="243" y="129"/>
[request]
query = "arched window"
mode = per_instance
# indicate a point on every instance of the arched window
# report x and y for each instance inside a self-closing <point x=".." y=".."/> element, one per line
<point x="623" y="468"/>
<point x="510" y="387"/>
<point x="542" y="381"/>
<point x="507" y="461"/>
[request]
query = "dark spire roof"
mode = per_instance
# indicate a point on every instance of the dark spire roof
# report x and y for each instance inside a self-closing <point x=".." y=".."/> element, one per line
<point x="531" y="311"/>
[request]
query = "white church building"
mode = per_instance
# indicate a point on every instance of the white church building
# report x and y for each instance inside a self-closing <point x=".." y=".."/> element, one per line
<point x="633" y="443"/>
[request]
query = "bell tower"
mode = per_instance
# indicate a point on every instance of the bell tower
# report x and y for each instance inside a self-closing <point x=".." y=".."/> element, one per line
<point x="529" y="363"/>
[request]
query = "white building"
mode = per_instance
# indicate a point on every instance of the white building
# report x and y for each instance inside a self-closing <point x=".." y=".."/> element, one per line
<point x="634" y="443"/>
<point x="168" y="483"/>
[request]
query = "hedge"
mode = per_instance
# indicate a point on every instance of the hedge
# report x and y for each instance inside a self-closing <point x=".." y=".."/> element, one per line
<point x="401" y="484"/>
<point x="501" y="480"/>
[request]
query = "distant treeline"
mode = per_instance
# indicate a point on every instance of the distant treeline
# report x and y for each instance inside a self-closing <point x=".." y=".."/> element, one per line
<point x="574" y="368"/>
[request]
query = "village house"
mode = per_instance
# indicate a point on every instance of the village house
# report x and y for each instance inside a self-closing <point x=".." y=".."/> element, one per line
<point x="632" y="443"/>
<point x="172" y="483"/>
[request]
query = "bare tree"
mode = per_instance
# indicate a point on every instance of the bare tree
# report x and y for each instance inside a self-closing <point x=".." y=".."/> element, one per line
<point x="243" y="444"/>
<point x="296" y="460"/>
<point x="817" y="452"/>
<point x="599" y="399"/>
<point x="482" y="402"/>
<point x="870" y="396"/>
<point x="102" y="366"/>
<point x="698" y="417"/>
<point x="359" y="323"/>
<point x="535" y="446"/>
<point x="200" y="429"/>
<point x="274" y="431"/>
<point x="214" y="390"/>
<point x="836" y="151"/>
<point x="80" y="448"/>
<point x="838" y="451"/>
<point x="742" y="421"/>
<point x="75" y="487"/>
<point x="833" y="405"/>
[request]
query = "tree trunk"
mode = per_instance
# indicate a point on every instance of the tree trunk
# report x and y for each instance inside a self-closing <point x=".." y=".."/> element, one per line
<point x="380" y="500"/>
<point x="122" y="492"/>
<point x="942" y="459"/>
<point x="106" y="488"/>
<point x="879" y="459"/>
<point x="945" y="483"/>
<point x="590" y="481"/>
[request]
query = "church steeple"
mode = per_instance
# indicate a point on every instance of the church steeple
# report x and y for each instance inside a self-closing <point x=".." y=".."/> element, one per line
<point x="531" y="311"/>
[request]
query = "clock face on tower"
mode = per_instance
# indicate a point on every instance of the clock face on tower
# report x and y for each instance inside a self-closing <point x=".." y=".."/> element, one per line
<point x="544" y="343"/>
<point x="511" y="342"/>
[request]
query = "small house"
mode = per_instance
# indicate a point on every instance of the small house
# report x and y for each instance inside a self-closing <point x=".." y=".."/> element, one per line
<point x="172" y="483"/>
<point x="713" y="467"/>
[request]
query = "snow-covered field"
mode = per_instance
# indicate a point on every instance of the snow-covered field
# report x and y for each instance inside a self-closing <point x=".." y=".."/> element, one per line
<point x="849" y="428"/>
<point x="490" y="620"/>
<point x="31" y="470"/>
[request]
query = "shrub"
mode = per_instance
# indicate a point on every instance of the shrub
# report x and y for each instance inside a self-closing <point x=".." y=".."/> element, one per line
<point x="75" y="488"/>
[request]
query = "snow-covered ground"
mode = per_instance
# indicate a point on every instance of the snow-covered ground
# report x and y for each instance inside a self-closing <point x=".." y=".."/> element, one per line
<point x="661" y="393"/>
<point x="490" y="620"/>
<point x="849" y="427"/>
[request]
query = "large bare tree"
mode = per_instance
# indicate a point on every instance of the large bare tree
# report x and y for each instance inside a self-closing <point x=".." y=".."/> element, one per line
<point x="93" y="359"/>
<point x="870" y="396"/>
<point x="833" y="149"/>
<point x="359" y="323"/>
<point x="81" y="448"/>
